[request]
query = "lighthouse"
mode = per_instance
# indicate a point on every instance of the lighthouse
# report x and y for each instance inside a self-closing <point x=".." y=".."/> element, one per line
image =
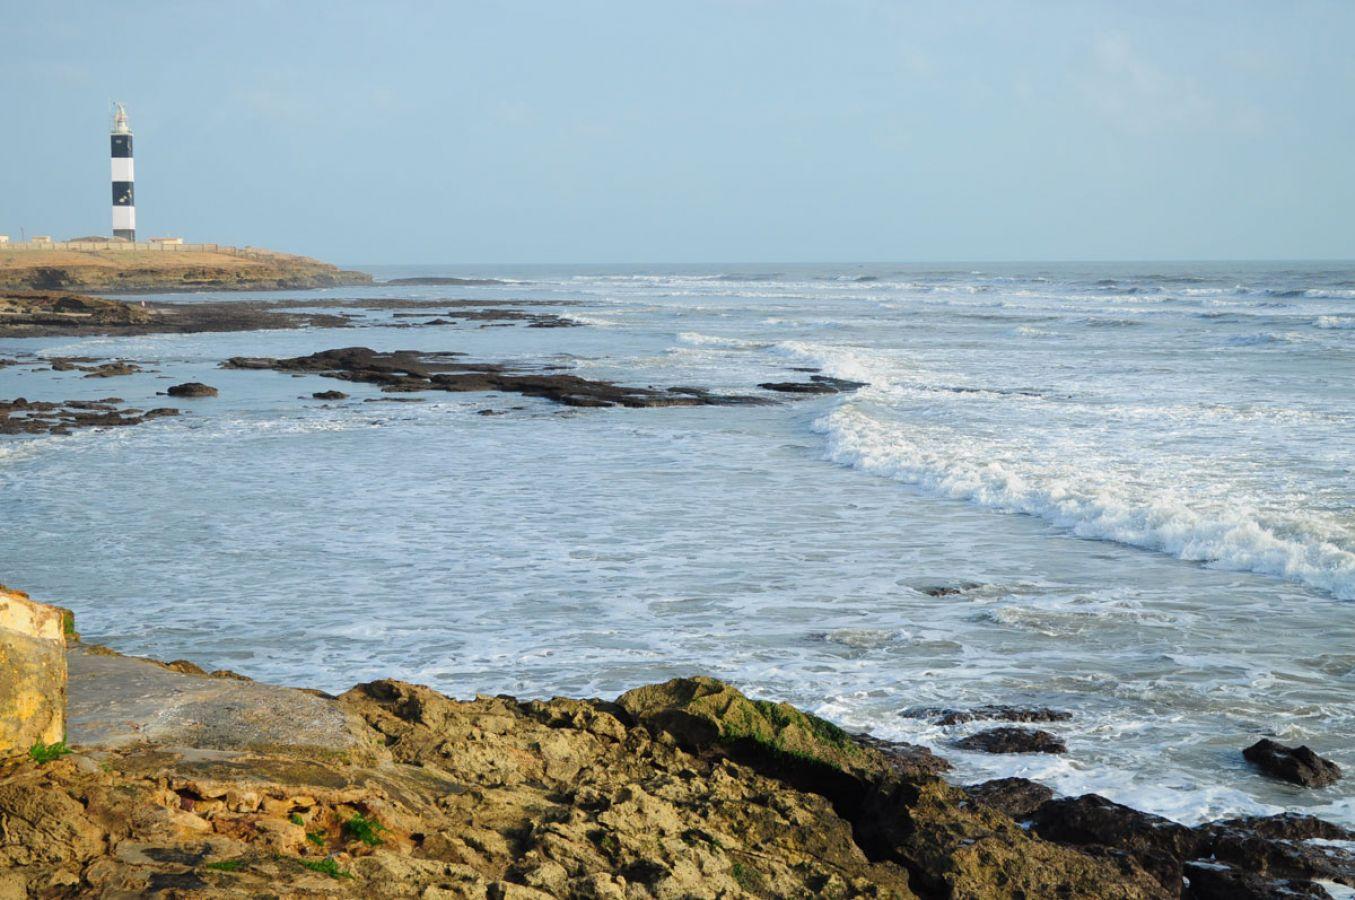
<point x="124" y="205"/>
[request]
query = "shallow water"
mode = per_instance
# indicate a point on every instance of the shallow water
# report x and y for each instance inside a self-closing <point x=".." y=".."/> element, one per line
<point x="1143" y="473"/>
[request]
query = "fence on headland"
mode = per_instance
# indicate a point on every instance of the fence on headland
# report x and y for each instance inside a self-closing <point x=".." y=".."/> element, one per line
<point x="156" y="246"/>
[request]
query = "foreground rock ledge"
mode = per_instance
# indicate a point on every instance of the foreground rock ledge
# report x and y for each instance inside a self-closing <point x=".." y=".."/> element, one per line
<point x="189" y="785"/>
<point x="686" y="789"/>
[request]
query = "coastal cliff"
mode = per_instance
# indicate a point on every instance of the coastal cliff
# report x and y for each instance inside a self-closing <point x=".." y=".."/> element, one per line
<point x="109" y="270"/>
<point x="182" y="783"/>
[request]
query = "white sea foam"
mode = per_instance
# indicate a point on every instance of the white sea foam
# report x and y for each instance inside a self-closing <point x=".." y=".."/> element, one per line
<point x="1086" y="500"/>
<point x="1265" y="338"/>
<point x="1335" y="323"/>
<point x="696" y="339"/>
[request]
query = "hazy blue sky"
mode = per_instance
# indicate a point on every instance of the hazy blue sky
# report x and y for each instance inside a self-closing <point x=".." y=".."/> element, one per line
<point x="692" y="130"/>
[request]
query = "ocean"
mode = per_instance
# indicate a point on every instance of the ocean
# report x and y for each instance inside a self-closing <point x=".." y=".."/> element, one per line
<point x="1122" y="490"/>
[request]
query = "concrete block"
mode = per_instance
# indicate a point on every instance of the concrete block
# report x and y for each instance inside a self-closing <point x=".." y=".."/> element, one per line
<point x="32" y="673"/>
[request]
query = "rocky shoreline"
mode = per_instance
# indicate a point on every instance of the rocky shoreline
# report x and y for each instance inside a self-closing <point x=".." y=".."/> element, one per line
<point x="181" y="783"/>
<point x="55" y="313"/>
<point x="65" y="314"/>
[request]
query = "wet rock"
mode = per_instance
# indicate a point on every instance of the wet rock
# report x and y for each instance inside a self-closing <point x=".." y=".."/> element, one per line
<point x="32" y="674"/>
<point x="329" y="395"/>
<point x="958" y="848"/>
<point x="1015" y="797"/>
<point x="945" y="716"/>
<point x="1013" y="740"/>
<point x="111" y="370"/>
<point x="949" y="590"/>
<point x="1281" y="847"/>
<point x="908" y="760"/>
<point x="1298" y="765"/>
<point x="409" y="370"/>
<point x="1284" y="826"/>
<point x="1211" y="880"/>
<point x="1158" y="845"/>
<point x="817" y="384"/>
<point x="192" y="389"/>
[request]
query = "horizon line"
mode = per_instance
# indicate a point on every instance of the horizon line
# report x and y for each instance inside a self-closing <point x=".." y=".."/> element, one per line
<point x="860" y="262"/>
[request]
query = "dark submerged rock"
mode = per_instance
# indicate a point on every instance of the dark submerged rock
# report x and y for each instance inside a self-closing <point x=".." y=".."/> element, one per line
<point x="110" y="370"/>
<point x="817" y="384"/>
<point x="192" y="389"/>
<point x="1280" y="847"/>
<point x="23" y="416"/>
<point x="1015" y="797"/>
<point x="949" y="590"/>
<point x="409" y="371"/>
<point x="997" y="713"/>
<point x="1298" y="765"/>
<point x="1284" y="827"/>
<point x="1211" y="880"/>
<point x="1013" y="740"/>
<point x="329" y="395"/>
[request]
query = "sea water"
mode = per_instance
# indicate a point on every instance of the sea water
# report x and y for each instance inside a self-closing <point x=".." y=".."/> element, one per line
<point x="1139" y="480"/>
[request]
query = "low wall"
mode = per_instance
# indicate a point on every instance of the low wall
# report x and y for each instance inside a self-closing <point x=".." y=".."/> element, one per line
<point x="32" y="673"/>
<point x="41" y="246"/>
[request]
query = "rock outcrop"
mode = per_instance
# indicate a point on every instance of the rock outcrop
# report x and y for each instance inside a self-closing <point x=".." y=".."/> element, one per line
<point x="1015" y="797"/>
<point x="23" y="416"/>
<point x="686" y="789"/>
<point x="51" y="313"/>
<point x="1298" y="765"/>
<point x="1009" y="739"/>
<point x="192" y="389"/>
<point x="411" y="370"/>
<point x="32" y="674"/>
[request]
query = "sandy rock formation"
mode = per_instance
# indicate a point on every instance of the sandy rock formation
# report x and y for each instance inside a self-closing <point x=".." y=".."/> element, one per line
<point x="32" y="673"/>
<point x="147" y="270"/>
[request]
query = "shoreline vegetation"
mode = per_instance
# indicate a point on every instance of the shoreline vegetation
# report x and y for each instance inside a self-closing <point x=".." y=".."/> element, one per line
<point x="122" y="270"/>
<point x="178" y="781"/>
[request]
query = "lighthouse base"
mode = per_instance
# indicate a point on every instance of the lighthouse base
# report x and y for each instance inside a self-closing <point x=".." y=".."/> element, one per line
<point x="125" y="234"/>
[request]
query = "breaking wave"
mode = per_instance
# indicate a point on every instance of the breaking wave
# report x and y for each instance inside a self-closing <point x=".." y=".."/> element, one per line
<point x="1089" y="503"/>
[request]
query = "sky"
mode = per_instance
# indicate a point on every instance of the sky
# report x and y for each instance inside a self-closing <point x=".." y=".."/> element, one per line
<point x="693" y="130"/>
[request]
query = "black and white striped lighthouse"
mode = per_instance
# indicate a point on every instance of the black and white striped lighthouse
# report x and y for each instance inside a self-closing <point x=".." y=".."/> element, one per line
<point x="124" y="205"/>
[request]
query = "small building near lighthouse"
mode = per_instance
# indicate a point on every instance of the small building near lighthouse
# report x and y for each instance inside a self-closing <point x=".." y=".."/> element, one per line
<point x="124" y="201"/>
